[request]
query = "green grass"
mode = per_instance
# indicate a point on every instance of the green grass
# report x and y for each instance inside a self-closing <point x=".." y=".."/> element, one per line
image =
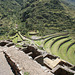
<point x="47" y="45"/>
<point x="54" y="48"/>
<point x="26" y="73"/>
<point x="71" y="54"/>
<point x="62" y="52"/>
<point x="15" y="39"/>
<point x="18" y="45"/>
<point x="39" y="42"/>
<point x="14" y="36"/>
<point x="51" y="47"/>
<point x="3" y="37"/>
<point x="63" y="49"/>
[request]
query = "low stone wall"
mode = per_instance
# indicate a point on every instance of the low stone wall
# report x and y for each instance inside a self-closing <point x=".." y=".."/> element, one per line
<point x="13" y="65"/>
<point x="59" y="70"/>
<point x="6" y="43"/>
<point x="58" y="40"/>
<point x="3" y="42"/>
<point x="70" y="46"/>
<point x="31" y="58"/>
<point x="63" y="43"/>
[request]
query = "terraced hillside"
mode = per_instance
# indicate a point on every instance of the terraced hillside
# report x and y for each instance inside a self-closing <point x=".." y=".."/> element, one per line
<point x="16" y="38"/>
<point x="62" y="46"/>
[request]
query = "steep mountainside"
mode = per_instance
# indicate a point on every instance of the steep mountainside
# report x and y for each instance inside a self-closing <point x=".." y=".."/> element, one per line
<point x="47" y="16"/>
<point x="8" y="14"/>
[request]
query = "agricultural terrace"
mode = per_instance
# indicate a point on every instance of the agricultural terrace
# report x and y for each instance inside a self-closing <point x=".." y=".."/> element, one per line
<point x="60" y="45"/>
<point x="16" y="38"/>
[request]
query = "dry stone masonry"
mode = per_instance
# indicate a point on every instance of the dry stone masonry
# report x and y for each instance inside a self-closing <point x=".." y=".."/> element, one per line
<point x="17" y="61"/>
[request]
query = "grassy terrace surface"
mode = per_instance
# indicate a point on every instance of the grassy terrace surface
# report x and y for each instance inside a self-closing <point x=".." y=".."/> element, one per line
<point x="16" y="38"/>
<point x="45" y="37"/>
<point x="39" y="42"/>
<point x="63" y="49"/>
<point x="63" y="43"/>
<point x="49" y="42"/>
<point x="60" y="45"/>
<point x="47" y="45"/>
<point x="71" y="54"/>
<point x="62" y="52"/>
<point x="54" y="48"/>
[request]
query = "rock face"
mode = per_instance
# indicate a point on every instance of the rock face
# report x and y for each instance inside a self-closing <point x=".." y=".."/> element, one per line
<point x="31" y="60"/>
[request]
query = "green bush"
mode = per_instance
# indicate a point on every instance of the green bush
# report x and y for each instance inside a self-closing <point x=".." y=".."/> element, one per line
<point x="26" y="73"/>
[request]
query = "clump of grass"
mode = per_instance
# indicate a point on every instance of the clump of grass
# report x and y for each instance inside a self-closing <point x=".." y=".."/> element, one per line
<point x="26" y="73"/>
<point x="18" y="45"/>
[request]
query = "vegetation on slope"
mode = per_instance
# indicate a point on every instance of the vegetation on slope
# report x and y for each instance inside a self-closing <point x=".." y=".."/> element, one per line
<point x="46" y="16"/>
<point x="62" y="47"/>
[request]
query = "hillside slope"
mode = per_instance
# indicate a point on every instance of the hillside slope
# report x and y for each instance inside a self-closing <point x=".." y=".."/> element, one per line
<point x="8" y="15"/>
<point x="47" y="16"/>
